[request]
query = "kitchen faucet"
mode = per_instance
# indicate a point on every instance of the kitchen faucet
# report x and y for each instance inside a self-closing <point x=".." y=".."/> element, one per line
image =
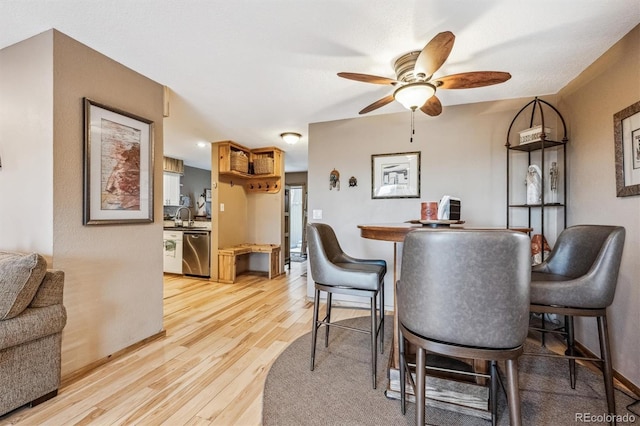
<point x="178" y="220"/>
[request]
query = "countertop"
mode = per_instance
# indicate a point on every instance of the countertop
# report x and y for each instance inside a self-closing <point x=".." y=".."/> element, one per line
<point x="186" y="228"/>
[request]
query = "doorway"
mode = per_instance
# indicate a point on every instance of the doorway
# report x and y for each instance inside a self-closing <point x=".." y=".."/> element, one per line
<point x="297" y="222"/>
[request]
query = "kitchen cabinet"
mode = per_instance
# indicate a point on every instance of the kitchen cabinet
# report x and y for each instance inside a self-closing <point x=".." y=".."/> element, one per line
<point x="171" y="189"/>
<point x="536" y="158"/>
<point x="172" y="165"/>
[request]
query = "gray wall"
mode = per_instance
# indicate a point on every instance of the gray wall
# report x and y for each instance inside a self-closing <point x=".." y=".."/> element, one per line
<point x="194" y="181"/>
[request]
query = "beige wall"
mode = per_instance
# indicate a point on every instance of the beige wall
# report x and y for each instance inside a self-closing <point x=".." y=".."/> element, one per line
<point x="296" y="178"/>
<point x="233" y="221"/>
<point x="26" y="146"/>
<point x="609" y="85"/>
<point x="462" y="153"/>
<point x="113" y="274"/>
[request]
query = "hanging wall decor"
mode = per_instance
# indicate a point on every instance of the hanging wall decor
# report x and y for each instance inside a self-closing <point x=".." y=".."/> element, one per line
<point x="118" y="166"/>
<point x="334" y="180"/>
<point x="353" y="181"/>
<point x="626" y="132"/>
<point x="395" y="175"/>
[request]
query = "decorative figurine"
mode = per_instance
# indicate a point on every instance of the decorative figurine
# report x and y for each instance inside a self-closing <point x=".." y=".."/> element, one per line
<point x="553" y="180"/>
<point x="353" y="181"/>
<point x="334" y="180"/>
<point x="202" y="207"/>
<point x="534" y="185"/>
<point x="539" y="249"/>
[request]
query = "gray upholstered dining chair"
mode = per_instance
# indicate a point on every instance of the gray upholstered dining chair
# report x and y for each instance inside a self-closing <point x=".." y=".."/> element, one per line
<point x="333" y="271"/>
<point x="579" y="278"/>
<point x="464" y="294"/>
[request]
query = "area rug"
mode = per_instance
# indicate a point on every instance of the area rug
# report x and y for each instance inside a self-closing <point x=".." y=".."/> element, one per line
<point x="339" y="392"/>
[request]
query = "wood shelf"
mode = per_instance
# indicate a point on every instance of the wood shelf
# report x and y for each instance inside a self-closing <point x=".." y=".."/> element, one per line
<point x="270" y="183"/>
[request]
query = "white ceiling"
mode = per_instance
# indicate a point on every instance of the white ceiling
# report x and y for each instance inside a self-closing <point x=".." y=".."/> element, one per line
<point x="248" y="70"/>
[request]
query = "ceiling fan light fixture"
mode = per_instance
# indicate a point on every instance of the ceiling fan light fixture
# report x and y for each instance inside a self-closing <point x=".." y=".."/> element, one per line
<point x="290" y="137"/>
<point x="414" y="95"/>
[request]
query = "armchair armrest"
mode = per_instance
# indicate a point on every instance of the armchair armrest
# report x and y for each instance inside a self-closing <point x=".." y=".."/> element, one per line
<point x="50" y="291"/>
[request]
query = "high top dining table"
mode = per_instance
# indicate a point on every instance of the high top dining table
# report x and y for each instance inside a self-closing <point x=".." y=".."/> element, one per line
<point x="468" y="398"/>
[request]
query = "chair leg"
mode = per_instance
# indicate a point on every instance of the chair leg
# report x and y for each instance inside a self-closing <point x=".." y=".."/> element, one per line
<point x="374" y="339"/>
<point x="513" y="392"/>
<point x="571" y="349"/>
<point x="314" y="329"/>
<point x="403" y="373"/>
<point x="328" y="320"/>
<point x="607" y="371"/>
<point x="543" y="326"/>
<point x="421" y="360"/>
<point x="382" y="318"/>
<point x="493" y="392"/>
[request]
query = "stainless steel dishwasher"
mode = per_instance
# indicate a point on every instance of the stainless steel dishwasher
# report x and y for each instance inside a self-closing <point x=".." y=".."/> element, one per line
<point x="195" y="253"/>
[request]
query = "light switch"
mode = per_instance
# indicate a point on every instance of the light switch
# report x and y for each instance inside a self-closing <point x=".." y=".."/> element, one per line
<point x="317" y="214"/>
<point x="221" y="207"/>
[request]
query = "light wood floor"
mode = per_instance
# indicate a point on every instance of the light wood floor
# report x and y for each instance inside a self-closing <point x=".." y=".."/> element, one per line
<point x="210" y="368"/>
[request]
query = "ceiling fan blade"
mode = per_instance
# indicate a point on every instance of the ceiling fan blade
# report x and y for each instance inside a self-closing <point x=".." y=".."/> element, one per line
<point x="432" y="107"/>
<point x="434" y="54"/>
<point x="366" y="78"/>
<point x="377" y="104"/>
<point x="469" y="80"/>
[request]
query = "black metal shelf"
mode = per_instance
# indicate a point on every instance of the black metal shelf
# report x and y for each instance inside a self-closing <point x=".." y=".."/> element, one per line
<point x="538" y="205"/>
<point x="537" y="117"/>
<point x="535" y="145"/>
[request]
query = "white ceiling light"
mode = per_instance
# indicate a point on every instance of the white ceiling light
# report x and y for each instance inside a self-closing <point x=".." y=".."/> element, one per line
<point x="290" y="137"/>
<point x="202" y="144"/>
<point x="414" y="95"/>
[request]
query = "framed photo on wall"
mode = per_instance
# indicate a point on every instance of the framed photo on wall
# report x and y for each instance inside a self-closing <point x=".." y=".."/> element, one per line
<point x="626" y="134"/>
<point x="118" y="166"/>
<point x="395" y="175"/>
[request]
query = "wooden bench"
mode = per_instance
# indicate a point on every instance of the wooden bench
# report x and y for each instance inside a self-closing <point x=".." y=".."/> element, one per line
<point x="232" y="261"/>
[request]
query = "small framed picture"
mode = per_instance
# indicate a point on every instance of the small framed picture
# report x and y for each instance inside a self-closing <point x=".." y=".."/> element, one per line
<point x="118" y="166"/>
<point x="395" y="175"/>
<point x="207" y="194"/>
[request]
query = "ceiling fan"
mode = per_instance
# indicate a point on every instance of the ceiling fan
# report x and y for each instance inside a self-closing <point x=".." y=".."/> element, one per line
<point x="414" y="72"/>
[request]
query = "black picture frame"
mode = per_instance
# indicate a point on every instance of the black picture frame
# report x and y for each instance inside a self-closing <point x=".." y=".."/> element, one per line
<point x="395" y="175"/>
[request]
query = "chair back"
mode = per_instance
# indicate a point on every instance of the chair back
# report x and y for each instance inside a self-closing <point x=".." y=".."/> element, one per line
<point x="467" y="287"/>
<point x="324" y="250"/>
<point x="590" y="251"/>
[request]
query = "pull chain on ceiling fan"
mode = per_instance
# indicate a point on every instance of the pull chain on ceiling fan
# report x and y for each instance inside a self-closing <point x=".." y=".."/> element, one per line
<point x="415" y="87"/>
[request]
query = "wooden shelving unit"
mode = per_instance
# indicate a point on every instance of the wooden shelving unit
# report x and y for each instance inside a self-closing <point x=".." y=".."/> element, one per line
<point x="270" y="182"/>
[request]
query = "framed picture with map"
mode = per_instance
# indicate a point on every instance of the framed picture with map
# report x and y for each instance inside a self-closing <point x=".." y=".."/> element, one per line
<point x="118" y="166"/>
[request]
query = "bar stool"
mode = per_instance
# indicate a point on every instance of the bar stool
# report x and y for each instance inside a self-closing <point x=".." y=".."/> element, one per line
<point x="333" y="271"/>
<point x="464" y="294"/>
<point x="579" y="278"/>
